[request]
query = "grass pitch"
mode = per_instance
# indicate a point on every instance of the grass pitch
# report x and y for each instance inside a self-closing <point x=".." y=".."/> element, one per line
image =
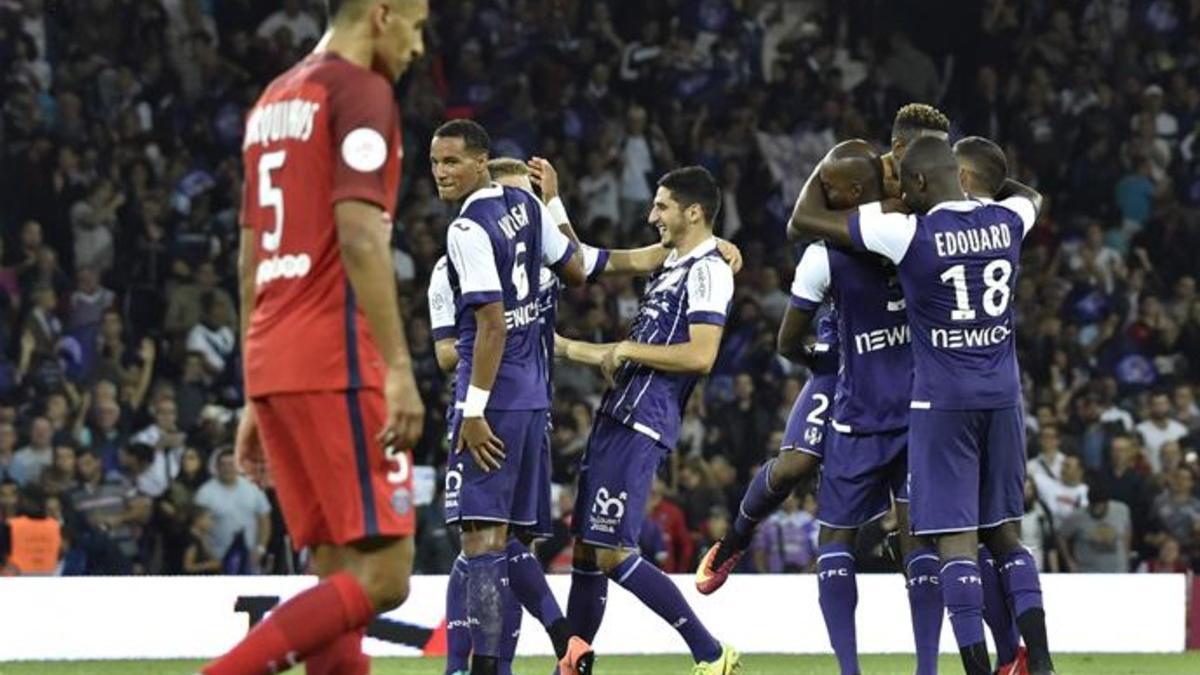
<point x="753" y="664"/>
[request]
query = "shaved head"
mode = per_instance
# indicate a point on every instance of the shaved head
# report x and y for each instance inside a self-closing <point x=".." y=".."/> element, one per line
<point x="929" y="174"/>
<point x="852" y="175"/>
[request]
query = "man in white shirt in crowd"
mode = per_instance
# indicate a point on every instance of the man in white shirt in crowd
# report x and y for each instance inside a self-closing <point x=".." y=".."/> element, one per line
<point x="1049" y="462"/>
<point x="1160" y="429"/>
<point x="168" y="442"/>
<point x="299" y="24"/>
<point x="1063" y="496"/>
<point x="29" y="462"/>
<point x="238" y="507"/>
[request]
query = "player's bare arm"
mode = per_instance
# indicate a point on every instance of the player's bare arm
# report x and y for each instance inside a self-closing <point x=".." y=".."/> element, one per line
<point x="363" y="243"/>
<point x="446" y="354"/>
<point x="697" y="355"/>
<point x="476" y="435"/>
<point x="1015" y="188"/>
<point x="794" y="331"/>
<point x="637" y="261"/>
<point x="578" y="351"/>
<point x="247" y="449"/>
<point x="812" y="218"/>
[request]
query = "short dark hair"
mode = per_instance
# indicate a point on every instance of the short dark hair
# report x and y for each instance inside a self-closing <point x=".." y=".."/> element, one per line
<point x="474" y="136"/>
<point x="919" y="117"/>
<point x="928" y="155"/>
<point x="985" y="159"/>
<point x="694" y="185"/>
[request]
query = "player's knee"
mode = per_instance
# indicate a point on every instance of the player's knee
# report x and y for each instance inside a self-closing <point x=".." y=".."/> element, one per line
<point x="1002" y="540"/>
<point x="609" y="559"/>
<point x="790" y="468"/>
<point x="387" y="589"/>
<point x="837" y="535"/>
<point x="584" y="557"/>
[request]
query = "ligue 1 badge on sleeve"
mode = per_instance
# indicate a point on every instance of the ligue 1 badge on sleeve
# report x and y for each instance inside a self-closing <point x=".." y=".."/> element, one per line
<point x="402" y="501"/>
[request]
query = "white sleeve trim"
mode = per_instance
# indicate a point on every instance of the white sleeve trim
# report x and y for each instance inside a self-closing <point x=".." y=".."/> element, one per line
<point x="812" y="274"/>
<point x="471" y="253"/>
<point x="710" y="286"/>
<point x="554" y="242"/>
<point x="591" y="256"/>
<point x="888" y="234"/>
<point x="441" y="297"/>
<point x="1023" y="208"/>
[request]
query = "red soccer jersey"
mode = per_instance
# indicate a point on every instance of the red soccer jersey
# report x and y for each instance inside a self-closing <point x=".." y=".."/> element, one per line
<point x="325" y="131"/>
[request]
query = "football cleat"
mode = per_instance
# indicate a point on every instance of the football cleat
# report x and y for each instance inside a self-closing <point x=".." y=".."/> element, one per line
<point x="730" y="663"/>
<point x="1018" y="666"/>
<point x="716" y="566"/>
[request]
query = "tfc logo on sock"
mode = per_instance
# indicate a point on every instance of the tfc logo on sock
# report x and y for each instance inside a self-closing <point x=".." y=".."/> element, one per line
<point x="838" y="572"/>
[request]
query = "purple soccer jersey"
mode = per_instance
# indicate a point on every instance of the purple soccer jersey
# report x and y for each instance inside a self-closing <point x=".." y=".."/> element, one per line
<point x="958" y="267"/>
<point x="875" y="368"/>
<point x="693" y="289"/>
<point x="497" y="247"/>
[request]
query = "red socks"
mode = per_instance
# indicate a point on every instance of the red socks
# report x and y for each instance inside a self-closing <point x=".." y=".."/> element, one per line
<point x="314" y="621"/>
<point x="343" y="656"/>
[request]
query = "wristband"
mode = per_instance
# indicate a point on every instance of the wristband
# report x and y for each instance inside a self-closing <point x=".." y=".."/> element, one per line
<point x="477" y="400"/>
<point x="558" y="211"/>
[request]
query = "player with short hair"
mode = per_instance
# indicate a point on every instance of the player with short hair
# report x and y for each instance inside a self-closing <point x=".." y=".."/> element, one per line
<point x="497" y="246"/>
<point x="597" y="262"/>
<point x="912" y="121"/>
<point x="674" y="339"/>
<point x="957" y="263"/>
<point x="336" y="409"/>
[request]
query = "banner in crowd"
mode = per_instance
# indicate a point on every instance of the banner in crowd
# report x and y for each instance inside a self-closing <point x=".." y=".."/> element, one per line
<point x="199" y="617"/>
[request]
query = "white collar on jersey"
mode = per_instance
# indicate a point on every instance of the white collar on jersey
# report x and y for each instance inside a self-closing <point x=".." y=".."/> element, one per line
<point x="957" y="205"/>
<point x="490" y="192"/>
<point x="705" y="247"/>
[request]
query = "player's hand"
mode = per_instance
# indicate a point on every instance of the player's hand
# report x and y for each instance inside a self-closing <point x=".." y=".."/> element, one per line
<point x="891" y="175"/>
<point x="731" y="253"/>
<point x="247" y="448"/>
<point x="543" y="174"/>
<point x="485" y="447"/>
<point x="405" y="411"/>
<point x="613" y="360"/>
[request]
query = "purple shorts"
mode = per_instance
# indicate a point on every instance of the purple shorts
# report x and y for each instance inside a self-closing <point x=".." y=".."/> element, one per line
<point x="615" y="477"/>
<point x="966" y="469"/>
<point x="808" y="421"/>
<point x="860" y="476"/>
<point x="515" y="492"/>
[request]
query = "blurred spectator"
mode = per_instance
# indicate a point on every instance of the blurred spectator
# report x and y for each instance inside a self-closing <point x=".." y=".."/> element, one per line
<point x="1160" y="428"/>
<point x="296" y="24"/>
<point x="198" y="557"/>
<point x="1098" y="537"/>
<point x="29" y="462"/>
<point x="8" y="447"/>
<point x="1177" y="510"/>
<point x="1037" y="530"/>
<point x="786" y="542"/>
<point x="1066" y="495"/>
<point x="1168" y="560"/>
<point x="672" y="523"/>
<point x="167" y="442"/>
<point x="213" y="337"/>
<point x="110" y="505"/>
<point x="31" y="543"/>
<point x="239" y="509"/>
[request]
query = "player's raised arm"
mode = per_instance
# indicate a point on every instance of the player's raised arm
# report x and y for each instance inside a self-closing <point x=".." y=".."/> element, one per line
<point x="1014" y="188"/>
<point x="812" y="218"/>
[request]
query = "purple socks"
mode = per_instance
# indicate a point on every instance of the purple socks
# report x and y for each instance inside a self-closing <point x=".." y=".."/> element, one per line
<point x="925" y="603"/>
<point x="662" y="596"/>
<point x="838" y="593"/>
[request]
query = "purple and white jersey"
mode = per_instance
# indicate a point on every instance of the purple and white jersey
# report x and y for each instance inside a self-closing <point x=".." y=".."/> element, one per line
<point x="497" y="247"/>
<point x="824" y="359"/>
<point x="958" y="268"/>
<point x="441" y="301"/>
<point x="875" y="369"/>
<point x="693" y="289"/>
<point x="550" y="287"/>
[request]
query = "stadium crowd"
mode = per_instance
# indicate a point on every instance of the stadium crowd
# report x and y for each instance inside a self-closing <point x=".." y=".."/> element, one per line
<point x="120" y="183"/>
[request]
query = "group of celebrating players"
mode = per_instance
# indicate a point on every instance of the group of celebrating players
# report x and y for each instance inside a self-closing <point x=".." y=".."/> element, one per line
<point x="908" y="296"/>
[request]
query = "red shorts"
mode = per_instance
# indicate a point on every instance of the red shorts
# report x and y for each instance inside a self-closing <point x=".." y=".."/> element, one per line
<point x="335" y="484"/>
